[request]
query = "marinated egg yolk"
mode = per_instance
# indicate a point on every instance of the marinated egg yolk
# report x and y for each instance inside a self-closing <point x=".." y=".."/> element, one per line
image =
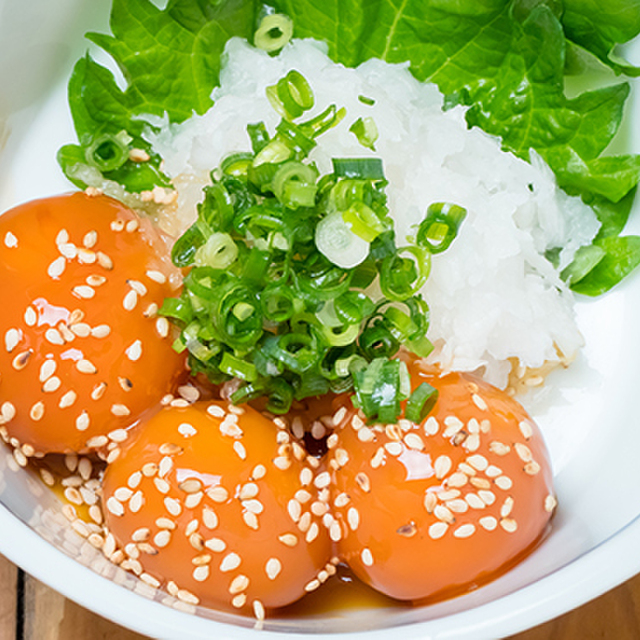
<point x="84" y="353"/>
<point x="221" y="507"/>
<point x="428" y="511"/>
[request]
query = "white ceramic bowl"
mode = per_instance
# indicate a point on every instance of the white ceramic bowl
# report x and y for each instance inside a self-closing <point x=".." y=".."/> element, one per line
<point x="587" y="416"/>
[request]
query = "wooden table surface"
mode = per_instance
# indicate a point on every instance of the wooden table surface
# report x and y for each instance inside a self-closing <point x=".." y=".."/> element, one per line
<point x="31" y="611"/>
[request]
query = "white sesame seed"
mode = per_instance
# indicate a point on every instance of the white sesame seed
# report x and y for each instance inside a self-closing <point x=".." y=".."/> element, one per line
<point x="90" y="239"/>
<point x="499" y="448"/>
<point x="130" y="300"/>
<point x="492" y="471"/>
<point x="162" y="538"/>
<point x="258" y="610"/>
<point x="488" y="497"/>
<point x="367" y="557"/>
<point x="295" y="510"/>
<point x="393" y="448"/>
<point x="442" y="466"/>
<point x="288" y="539"/>
<point x="504" y="483"/>
<point x="241" y="452"/>
<point x="82" y="421"/>
<point x="230" y="562"/>
<point x="115" y="506"/>
<point x="10" y="241"/>
<point x="138" y="287"/>
<point x="98" y="391"/>
<point x="95" y="280"/>
<point x="166" y="464"/>
<point x="474" y="501"/>
<point x="134" y="351"/>
<point x="53" y="336"/>
<point x="200" y="574"/>
<point x="83" y="291"/>
<point x="238" y="584"/>
<point x="437" y="530"/>
<point x="312" y="533"/>
<point x="120" y="410"/>
<point x="509" y="525"/>
<point x="550" y="503"/>
<point x="353" y="518"/>
<point x="526" y="429"/>
<point x="488" y="522"/>
<point x="273" y="568"/>
<point x="101" y="331"/>
<point x="187" y="430"/>
<point x="86" y="366"/>
<point x="162" y="327"/>
<point x="11" y="339"/>
<point x="216" y="411"/>
<point x="68" y="250"/>
<point x="457" y="480"/>
<point x="507" y="507"/>
<point x="173" y="506"/>
<point x="479" y="402"/>
<point x="465" y="530"/>
<point x="532" y="468"/>
<point x="156" y="276"/>
<point x="365" y="434"/>
<point x="30" y="316"/>
<point x="218" y="494"/>
<point x="68" y="399"/>
<point x="131" y="226"/>
<point x="414" y="441"/>
<point x="51" y="385"/>
<point x="209" y="518"/>
<point x="323" y="480"/>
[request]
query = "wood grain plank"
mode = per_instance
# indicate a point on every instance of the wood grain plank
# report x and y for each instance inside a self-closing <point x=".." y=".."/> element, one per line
<point x="8" y="599"/>
<point x="50" y="616"/>
<point x="614" y="615"/>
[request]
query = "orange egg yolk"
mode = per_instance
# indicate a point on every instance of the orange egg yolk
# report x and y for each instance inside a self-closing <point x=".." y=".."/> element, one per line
<point x="83" y="351"/>
<point x="426" y="511"/>
<point x="221" y="507"/>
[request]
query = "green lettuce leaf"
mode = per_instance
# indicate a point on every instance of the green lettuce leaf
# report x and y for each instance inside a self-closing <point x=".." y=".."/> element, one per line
<point x="503" y="59"/>
<point x="599" y="26"/>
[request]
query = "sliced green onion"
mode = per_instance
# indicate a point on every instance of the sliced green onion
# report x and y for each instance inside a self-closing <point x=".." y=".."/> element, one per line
<point x="274" y="32"/>
<point x="236" y="164"/>
<point x="363" y="221"/>
<point x="402" y="277"/>
<point x="324" y="121"/>
<point x="178" y="309"/>
<point x="338" y="243"/>
<point x="186" y="246"/>
<point x="376" y="341"/>
<point x="366" y="131"/>
<point x="277" y="303"/>
<point x="365" y="100"/>
<point x="420" y="403"/>
<point x="295" y="138"/>
<point x="219" y="252"/>
<point x="363" y="168"/>
<point x="108" y="152"/>
<point x="440" y="226"/>
<point x="237" y="368"/>
<point x="280" y="396"/>
<point x="294" y="184"/>
<point x="258" y="135"/>
<point x="291" y="96"/>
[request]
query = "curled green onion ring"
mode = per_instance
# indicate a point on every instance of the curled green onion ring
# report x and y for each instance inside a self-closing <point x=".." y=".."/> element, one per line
<point x="294" y="285"/>
<point x="274" y="32"/>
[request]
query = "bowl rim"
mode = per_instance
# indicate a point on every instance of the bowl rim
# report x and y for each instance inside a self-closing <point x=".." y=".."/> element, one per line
<point x="573" y="585"/>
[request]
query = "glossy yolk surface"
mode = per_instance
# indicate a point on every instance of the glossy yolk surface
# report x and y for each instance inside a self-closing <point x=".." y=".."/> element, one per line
<point x="428" y="511"/>
<point x="220" y="507"/>
<point x="83" y="354"/>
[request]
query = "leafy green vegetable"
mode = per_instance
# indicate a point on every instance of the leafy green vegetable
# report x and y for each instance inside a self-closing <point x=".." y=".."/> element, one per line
<point x="504" y="59"/>
<point x="600" y="26"/>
